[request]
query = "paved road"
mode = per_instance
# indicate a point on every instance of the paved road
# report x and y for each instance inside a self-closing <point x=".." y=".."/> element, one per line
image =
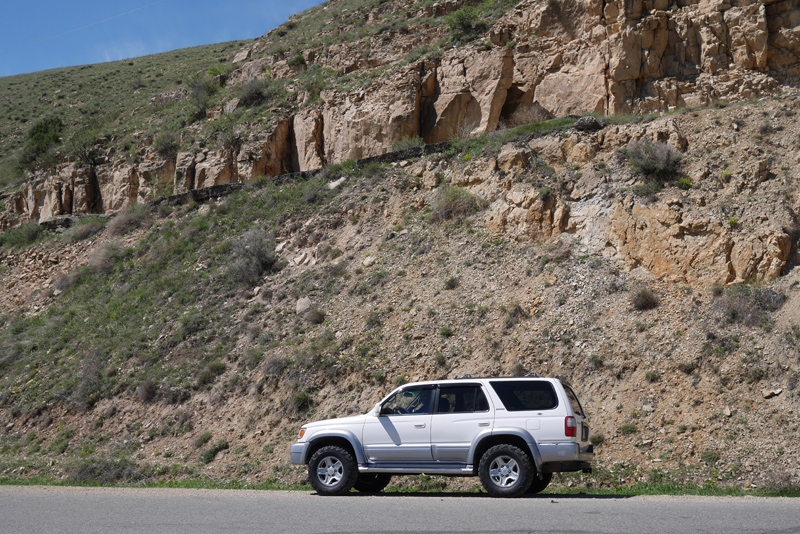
<point x="46" y="510"/>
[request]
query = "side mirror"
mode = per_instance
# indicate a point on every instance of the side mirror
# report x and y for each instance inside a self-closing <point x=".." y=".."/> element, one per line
<point x="376" y="410"/>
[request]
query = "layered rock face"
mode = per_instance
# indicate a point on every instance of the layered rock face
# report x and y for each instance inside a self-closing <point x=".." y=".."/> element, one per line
<point x="546" y="59"/>
<point x="640" y="56"/>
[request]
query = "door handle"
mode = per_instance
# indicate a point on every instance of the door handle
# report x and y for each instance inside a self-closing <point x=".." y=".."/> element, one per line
<point x="421" y="425"/>
<point x="483" y="424"/>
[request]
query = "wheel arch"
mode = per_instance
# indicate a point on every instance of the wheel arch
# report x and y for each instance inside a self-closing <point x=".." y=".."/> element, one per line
<point x="345" y="440"/>
<point x="521" y="439"/>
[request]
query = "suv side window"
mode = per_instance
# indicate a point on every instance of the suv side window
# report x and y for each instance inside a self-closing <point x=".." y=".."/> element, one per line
<point x="523" y="395"/>
<point x="409" y="401"/>
<point x="573" y="401"/>
<point x="462" y="399"/>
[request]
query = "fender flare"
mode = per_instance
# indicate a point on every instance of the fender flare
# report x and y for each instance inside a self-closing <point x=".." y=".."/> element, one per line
<point x="517" y="432"/>
<point x="346" y="434"/>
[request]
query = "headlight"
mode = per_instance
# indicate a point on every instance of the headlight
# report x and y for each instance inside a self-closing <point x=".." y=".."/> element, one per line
<point x="301" y="434"/>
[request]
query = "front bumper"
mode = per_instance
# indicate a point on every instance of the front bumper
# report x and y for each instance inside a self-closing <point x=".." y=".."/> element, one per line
<point x="297" y="453"/>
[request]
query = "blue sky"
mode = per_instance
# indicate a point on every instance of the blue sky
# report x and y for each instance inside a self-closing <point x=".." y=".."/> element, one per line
<point x="44" y="34"/>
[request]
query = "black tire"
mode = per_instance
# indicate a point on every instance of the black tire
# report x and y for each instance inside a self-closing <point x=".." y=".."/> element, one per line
<point x="537" y="485"/>
<point x="506" y="471"/>
<point x="332" y="471"/>
<point x="372" y="482"/>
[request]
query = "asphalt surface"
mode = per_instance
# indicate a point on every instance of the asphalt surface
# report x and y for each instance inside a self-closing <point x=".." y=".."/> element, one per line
<point x="45" y="510"/>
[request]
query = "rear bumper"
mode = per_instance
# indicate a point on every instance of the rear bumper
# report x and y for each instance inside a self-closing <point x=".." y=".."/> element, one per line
<point x="567" y="456"/>
<point x="297" y="453"/>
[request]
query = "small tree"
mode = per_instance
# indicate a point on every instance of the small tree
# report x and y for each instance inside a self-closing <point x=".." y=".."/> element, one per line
<point x="466" y="24"/>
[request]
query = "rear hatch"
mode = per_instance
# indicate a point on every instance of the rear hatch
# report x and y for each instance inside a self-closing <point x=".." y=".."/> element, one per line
<point x="581" y="421"/>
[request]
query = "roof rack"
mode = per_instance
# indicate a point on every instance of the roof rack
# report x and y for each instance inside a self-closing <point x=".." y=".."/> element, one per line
<point x="465" y="376"/>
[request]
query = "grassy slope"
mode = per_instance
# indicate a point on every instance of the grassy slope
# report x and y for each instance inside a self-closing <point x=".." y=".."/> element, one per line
<point x="113" y="100"/>
<point x="173" y="318"/>
<point x="112" y="97"/>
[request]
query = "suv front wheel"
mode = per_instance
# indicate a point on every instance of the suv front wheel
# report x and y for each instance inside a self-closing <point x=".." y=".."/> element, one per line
<point x="332" y="471"/>
<point x="505" y="471"/>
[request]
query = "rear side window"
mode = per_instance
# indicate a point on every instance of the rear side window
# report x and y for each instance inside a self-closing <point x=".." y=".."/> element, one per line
<point x="573" y="401"/>
<point x="462" y="399"/>
<point x="523" y="395"/>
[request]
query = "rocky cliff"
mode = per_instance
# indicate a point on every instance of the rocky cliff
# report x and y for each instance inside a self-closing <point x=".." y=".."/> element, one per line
<point x="541" y="59"/>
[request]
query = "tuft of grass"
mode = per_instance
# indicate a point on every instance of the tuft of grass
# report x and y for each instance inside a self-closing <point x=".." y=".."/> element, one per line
<point x="407" y="143"/>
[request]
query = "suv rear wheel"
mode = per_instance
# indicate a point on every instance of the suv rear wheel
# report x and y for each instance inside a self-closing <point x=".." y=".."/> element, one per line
<point x="372" y="482"/>
<point x="505" y="471"/>
<point x="332" y="471"/>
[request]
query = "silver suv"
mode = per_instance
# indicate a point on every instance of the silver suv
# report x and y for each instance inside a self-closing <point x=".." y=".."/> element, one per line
<point x="513" y="433"/>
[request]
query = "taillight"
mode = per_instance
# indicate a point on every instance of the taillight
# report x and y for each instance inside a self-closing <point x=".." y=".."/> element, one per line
<point x="570" y="427"/>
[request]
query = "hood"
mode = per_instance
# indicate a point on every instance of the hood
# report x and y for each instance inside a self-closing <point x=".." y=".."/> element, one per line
<point x="340" y="421"/>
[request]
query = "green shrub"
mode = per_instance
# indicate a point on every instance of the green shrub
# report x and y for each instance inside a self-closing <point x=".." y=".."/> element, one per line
<point x="657" y="160"/>
<point x="260" y="91"/>
<point x="146" y="391"/>
<point x="315" y="316"/>
<point x="167" y="143"/>
<point x="209" y="455"/>
<point x="628" y="429"/>
<point x="685" y="183"/>
<point x="649" y="189"/>
<point x="255" y="256"/>
<point x="466" y="24"/>
<point x="136" y="216"/>
<point x="302" y="401"/>
<point x="201" y="90"/>
<point x="545" y="193"/>
<point x="644" y="299"/>
<point x="743" y="303"/>
<point x="201" y="440"/>
<point x="446" y="331"/>
<point x="41" y="138"/>
<point x="107" y="471"/>
<point x="23" y="236"/>
<point x="453" y="202"/>
<point x="221" y="70"/>
<point x="297" y="60"/>
<point x="597" y="439"/>
<point x="86" y="228"/>
<point x="451" y="283"/>
<point x="651" y="376"/>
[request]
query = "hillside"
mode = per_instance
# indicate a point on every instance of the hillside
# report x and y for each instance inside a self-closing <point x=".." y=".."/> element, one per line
<point x="642" y="244"/>
<point x="168" y="343"/>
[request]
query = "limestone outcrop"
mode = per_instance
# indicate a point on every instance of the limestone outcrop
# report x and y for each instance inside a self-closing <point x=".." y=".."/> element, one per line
<point x="540" y="60"/>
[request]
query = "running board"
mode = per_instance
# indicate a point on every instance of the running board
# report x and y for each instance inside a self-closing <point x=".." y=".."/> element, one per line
<point x="419" y="469"/>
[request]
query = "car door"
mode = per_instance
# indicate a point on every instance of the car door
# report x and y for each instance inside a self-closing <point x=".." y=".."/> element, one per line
<point x="462" y="413"/>
<point x="402" y="431"/>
